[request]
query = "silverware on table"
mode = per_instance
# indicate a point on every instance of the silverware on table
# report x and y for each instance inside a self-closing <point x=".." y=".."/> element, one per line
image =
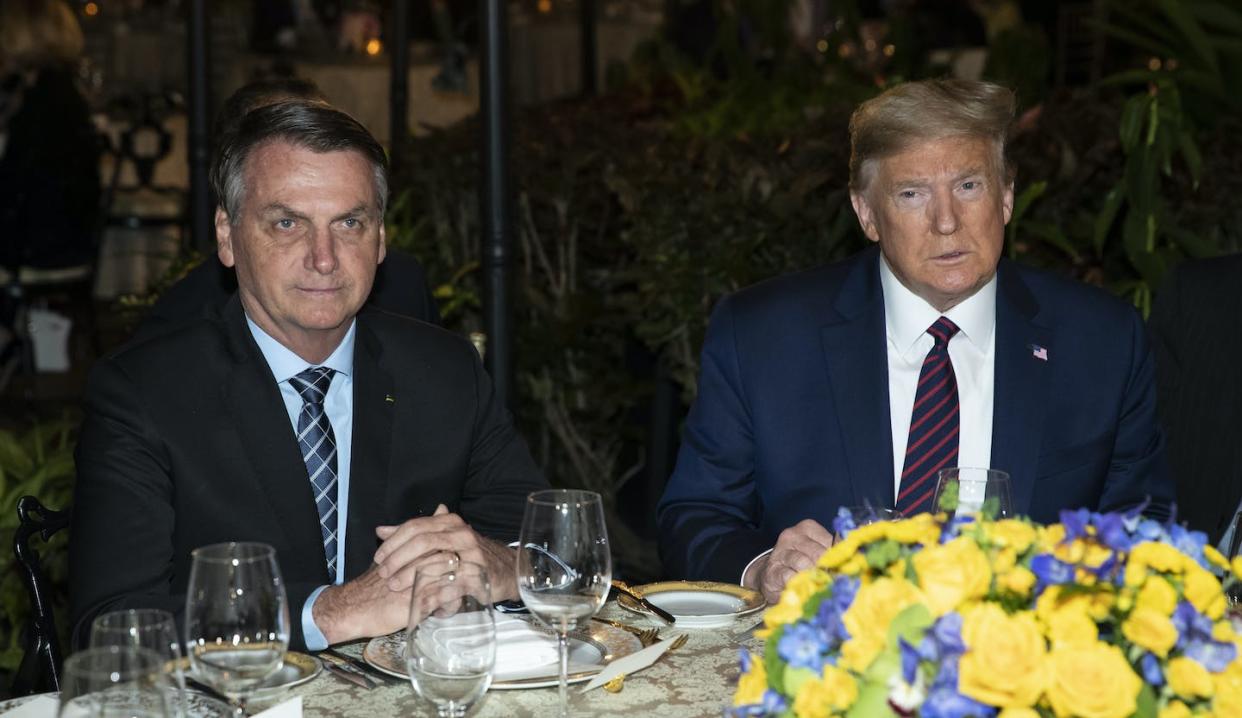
<point x="660" y="613"/>
<point x="340" y="672"/>
<point x="363" y="668"/>
<point x="197" y="685"/>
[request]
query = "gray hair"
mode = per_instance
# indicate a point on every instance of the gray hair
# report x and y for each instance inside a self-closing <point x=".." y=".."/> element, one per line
<point x="308" y="124"/>
<point x="915" y="112"/>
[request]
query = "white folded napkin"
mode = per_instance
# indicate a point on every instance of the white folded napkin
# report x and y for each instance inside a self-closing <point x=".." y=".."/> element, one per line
<point x="455" y="641"/>
<point x="291" y="708"/>
<point x="42" y="706"/>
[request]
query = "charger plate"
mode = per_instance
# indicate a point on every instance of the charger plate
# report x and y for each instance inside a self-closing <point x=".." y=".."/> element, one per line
<point x="697" y="604"/>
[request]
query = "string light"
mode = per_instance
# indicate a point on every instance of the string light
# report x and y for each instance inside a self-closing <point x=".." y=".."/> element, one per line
<point x="91" y="9"/>
<point x="545" y="5"/>
<point x="374" y="46"/>
<point x="822" y="45"/>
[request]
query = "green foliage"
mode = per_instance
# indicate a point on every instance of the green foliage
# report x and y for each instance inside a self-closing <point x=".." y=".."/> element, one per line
<point x="38" y="462"/>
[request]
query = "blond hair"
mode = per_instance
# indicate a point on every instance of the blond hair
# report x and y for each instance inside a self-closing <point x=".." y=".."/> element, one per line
<point x="915" y="112"/>
<point x="35" y="33"/>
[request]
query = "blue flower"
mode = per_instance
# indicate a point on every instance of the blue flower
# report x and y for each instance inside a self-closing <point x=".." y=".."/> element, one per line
<point x="1075" y="523"/>
<point x="1192" y="626"/>
<point x="1150" y="665"/>
<point x="953" y="527"/>
<point x="1050" y="571"/>
<point x="909" y="661"/>
<point x="773" y="703"/>
<point x="1189" y="542"/>
<point x="1212" y="655"/>
<point x="948" y="703"/>
<point x="1150" y="530"/>
<point x="800" y="647"/>
<point x="1111" y="530"/>
<point x="844" y="523"/>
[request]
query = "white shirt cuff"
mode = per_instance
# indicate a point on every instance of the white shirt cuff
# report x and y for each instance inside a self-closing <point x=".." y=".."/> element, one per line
<point x="746" y="570"/>
<point x="315" y="640"/>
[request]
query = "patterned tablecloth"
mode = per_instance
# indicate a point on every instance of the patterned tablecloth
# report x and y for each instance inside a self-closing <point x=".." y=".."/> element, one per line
<point x="695" y="680"/>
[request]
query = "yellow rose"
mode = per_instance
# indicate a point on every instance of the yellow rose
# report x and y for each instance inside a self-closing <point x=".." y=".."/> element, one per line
<point x="856" y="565"/>
<point x="752" y="684"/>
<point x="1004" y="664"/>
<point x="1150" y="629"/>
<point x="1017" y="580"/>
<point x="840" y="552"/>
<point x="1157" y="594"/>
<point x="1228" y="684"/>
<point x="1175" y="709"/>
<point x="1236" y="566"/>
<point x="1204" y="592"/>
<point x="781" y="614"/>
<point x="1048" y="537"/>
<point x="1070" y="626"/>
<point x="876" y="604"/>
<point x="1083" y="552"/>
<point x="1188" y="678"/>
<point x="920" y="529"/>
<point x="840" y="688"/>
<point x="1097" y="604"/>
<point x="952" y="573"/>
<point x="1003" y="560"/>
<point x="1092" y="681"/>
<point x="858" y="653"/>
<point x="1159" y="556"/>
<point x="1010" y="533"/>
<point x="1216" y="558"/>
<point x="827" y="697"/>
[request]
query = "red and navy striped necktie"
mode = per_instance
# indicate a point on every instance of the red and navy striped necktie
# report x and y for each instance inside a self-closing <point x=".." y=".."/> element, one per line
<point x="934" y="424"/>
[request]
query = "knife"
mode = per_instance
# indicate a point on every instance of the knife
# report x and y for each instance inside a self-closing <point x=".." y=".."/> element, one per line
<point x="367" y="669"/>
<point x="354" y="678"/>
<point x="663" y="615"/>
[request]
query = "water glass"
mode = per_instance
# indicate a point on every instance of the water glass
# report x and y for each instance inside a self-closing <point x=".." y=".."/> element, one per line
<point x="236" y="618"/>
<point x="968" y="491"/>
<point x="564" y="565"/>
<point x="113" y="682"/>
<point x="152" y="629"/>
<point x="451" y="640"/>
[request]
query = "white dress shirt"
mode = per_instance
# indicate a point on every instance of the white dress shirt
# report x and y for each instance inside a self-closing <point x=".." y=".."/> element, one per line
<point x="338" y="404"/>
<point x="907" y="316"/>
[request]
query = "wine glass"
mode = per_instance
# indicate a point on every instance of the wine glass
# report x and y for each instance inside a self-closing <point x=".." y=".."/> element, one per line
<point x="967" y="491"/>
<point x="564" y="566"/>
<point x="152" y="629"/>
<point x="120" y="681"/>
<point x="451" y="642"/>
<point x="236" y="618"/>
<point x="1231" y="547"/>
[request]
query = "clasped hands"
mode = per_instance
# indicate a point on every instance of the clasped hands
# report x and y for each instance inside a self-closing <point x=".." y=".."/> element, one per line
<point x="797" y="548"/>
<point x="378" y="601"/>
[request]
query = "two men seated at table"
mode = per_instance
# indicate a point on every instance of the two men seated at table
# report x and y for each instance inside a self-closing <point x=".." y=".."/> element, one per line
<point x="355" y="442"/>
<point x="856" y="382"/>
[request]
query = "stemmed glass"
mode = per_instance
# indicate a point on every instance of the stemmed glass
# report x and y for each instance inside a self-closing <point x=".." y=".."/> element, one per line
<point x="236" y="618"/>
<point x="113" y="681"/>
<point x="981" y="492"/>
<point x="1231" y="547"/>
<point x="451" y="642"/>
<point x="564" y="565"/>
<point x="152" y="629"/>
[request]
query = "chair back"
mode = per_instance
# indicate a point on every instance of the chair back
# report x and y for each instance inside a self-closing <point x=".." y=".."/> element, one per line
<point x="40" y="667"/>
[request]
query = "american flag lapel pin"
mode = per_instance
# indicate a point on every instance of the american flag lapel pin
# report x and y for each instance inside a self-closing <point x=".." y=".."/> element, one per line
<point x="1040" y="353"/>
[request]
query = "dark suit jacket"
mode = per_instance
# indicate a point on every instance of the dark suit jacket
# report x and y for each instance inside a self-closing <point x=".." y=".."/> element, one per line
<point x="792" y="415"/>
<point x="1196" y="326"/>
<point x="400" y="288"/>
<point x="186" y="442"/>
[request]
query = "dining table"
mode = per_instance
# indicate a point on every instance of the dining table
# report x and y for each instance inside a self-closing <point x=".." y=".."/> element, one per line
<point x="696" y="679"/>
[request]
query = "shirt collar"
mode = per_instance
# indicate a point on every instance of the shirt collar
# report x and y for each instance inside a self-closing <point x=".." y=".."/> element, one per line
<point x="907" y="315"/>
<point x="285" y="364"/>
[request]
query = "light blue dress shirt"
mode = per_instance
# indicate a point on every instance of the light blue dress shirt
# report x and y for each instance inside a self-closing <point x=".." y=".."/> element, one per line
<point x="339" y="405"/>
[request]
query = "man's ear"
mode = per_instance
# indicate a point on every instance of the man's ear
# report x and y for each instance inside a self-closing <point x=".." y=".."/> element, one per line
<point x="224" y="238"/>
<point x="866" y="218"/>
<point x="1007" y="202"/>
<point x="383" y="248"/>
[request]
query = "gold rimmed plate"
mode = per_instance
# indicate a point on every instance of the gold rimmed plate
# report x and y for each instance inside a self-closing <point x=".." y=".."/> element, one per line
<point x="697" y="604"/>
<point x="590" y="649"/>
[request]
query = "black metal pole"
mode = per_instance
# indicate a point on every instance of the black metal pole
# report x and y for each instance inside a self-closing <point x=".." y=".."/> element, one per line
<point x="398" y="88"/>
<point x="202" y="226"/>
<point x="497" y="228"/>
<point x="589" y="45"/>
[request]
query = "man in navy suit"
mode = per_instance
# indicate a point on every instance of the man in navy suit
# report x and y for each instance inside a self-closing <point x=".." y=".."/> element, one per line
<point x="855" y="383"/>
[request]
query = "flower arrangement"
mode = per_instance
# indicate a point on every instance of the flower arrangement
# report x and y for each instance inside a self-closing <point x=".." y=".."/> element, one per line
<point x="1099" y="616"/>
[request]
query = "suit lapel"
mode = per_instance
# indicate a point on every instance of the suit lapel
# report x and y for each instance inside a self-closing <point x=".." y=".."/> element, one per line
<point x="374" y="403"/>
<point x="855" y="351"/>
<point x="263" y="426"/>
<point x="1020" y="386"/>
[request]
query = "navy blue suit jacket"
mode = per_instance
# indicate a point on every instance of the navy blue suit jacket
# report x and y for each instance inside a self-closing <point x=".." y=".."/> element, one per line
<point x="792" y="415"/>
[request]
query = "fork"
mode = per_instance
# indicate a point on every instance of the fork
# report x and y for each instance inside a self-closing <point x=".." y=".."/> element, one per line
<point x="646" y="636"/>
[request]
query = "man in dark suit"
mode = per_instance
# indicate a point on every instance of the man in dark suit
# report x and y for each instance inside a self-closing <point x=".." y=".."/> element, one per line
<point x="357" y="443"/>
<point x="1196" y="326"/>
<point x="857" y="382"/>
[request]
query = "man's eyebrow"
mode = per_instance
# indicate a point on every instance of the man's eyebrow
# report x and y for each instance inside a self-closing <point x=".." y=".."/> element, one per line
<point x="278" y="208"/>
<point x="359" y="209"/>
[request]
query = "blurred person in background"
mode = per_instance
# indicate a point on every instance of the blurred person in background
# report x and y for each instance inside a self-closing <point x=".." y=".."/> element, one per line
<point x="49" y="154"/>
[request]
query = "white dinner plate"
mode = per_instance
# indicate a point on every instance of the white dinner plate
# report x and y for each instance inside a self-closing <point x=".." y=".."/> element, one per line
<point x="297" y="669"/>
<point x="589" y="651"/>
<point x="199" y="704"/>
<point x="697" y="604"/>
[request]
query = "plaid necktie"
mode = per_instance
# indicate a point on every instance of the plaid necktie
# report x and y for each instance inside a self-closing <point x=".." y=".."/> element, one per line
<point x="933" y="424"/>
<point x="318" y="445"/>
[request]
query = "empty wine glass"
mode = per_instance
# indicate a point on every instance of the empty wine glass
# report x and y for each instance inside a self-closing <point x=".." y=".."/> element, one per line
<point x="1231" y="547"/>
<point x="980" y="492"/>
<point x="113" y="681"/>
<point x="236" y="618"/>
<point x="564" y="565"/>
<point x="451" y="641"/>
<point x="152" y="629"/>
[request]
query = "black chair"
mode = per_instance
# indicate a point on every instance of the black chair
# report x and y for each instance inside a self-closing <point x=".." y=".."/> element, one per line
<point x="40" y="667"/>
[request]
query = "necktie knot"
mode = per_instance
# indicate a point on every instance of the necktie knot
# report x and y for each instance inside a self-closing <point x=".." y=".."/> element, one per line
<point x="312" y="384"/>
<point x="942" y="331"/>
